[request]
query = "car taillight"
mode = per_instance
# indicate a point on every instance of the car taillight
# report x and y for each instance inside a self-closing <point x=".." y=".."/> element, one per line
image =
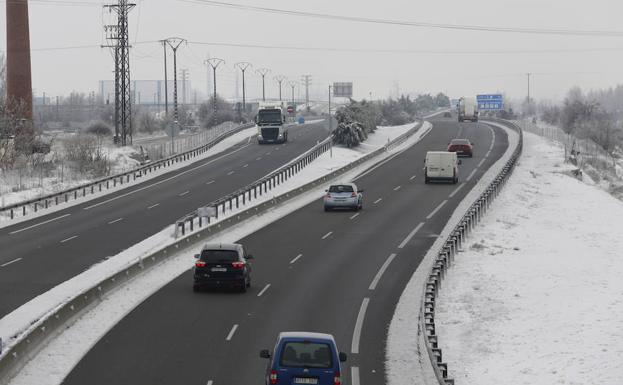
<point x="237" y="265"/>
<point x="200" y="264"/>
<point x="337" y="380"/>
<point x="353" y="195"/>
<point x="328" y="195"/>
<point x="273" y="376"/>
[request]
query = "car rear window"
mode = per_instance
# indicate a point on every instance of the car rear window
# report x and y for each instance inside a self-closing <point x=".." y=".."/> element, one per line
<point x="306" y="355"/>
<point x="341" y="188"/>
<point x="459" y="141"/>
<point x="219" y="255"/>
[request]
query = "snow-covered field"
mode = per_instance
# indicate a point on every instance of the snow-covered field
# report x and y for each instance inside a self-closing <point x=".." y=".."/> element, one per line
<point x="56" y="360"/>
<point x="537" y="295"/>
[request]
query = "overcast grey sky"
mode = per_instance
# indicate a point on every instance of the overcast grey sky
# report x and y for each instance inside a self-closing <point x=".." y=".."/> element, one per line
<point x="498" y="63"/>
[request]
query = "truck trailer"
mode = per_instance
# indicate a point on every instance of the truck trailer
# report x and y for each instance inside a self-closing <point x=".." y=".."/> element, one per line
<point x="468" y="110"/>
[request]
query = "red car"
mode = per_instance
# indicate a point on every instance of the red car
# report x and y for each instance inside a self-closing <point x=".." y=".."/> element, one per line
<point x="462" y="147"/>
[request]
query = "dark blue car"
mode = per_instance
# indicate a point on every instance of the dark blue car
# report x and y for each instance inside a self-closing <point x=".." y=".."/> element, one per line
<point x="304" y="358"/>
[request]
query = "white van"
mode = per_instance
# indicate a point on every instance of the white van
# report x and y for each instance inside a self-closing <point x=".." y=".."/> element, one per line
<point x="442" y="166"/>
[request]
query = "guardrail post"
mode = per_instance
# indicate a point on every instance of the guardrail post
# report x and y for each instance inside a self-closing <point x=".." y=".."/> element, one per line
<point x="191" y="220"/>
<point x="230" y="204"/>
<point x="114" y="182"/>
<point x="24" y="211"/>
<point x="236" y="201"/>
<point x="46" y="203"/>
<point x="84" y="191"/>
<point x="76" y="194"/>
<point x="12" y="215"/>
<point x="254" y="192"/>
<point x="244" y="198"/>
<point x="35" y="206"/>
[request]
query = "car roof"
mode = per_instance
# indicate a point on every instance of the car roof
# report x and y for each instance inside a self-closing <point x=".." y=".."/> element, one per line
<point x="343" y="184"/>
<point x="221" y="246"/>
<point x="307" y="335"/>
<point x="458" y="140"/>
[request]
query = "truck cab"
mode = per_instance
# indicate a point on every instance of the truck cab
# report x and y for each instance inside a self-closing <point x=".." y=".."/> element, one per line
<point x="271" y="123"/>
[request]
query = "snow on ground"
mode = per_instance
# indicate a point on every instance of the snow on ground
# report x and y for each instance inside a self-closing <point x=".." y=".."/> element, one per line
<point x="537" y="296"/>
<point x="57" y="359"/>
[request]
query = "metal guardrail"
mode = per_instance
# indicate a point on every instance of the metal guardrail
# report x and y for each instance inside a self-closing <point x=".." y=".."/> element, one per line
<point x="37" y="204"/>
<point x="447" y="252"/>
<point x="41" y="331"/>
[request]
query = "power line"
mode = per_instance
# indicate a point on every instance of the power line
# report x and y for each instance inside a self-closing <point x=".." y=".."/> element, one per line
<point x="404" y="23"/>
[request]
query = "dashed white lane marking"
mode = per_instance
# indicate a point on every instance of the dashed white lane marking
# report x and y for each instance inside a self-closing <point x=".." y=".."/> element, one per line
<point x="39" y="224"/>
<point x="184" y="193"/>
<point x="230" y="173"/>
<point x="487" y="154"/>
<point x="263" y="290"/>
<point x="210" y="382"/>
<point x="354" y="216"/>
<point x="354" y="348"/>
<point x="152" y="206"/>
<point x="354" y="375"/>
<point x="258" y="158"/>
<point x="268" y="153"/>
<point x="231" y="332"/>
<point x="413" y="177"/>
<point x="210" y="182"/>
<point x="456" y="190"/>
<point x="481" y="162"/>
<point x="378" y="200"/>
<point x="10" y="262"/>
<point x="296" y="258"/>
<point x="327" y="235"/>
<point x="397" y="188"/>
<point x="411" y="234"/>
<point x="69" y="239"/>
<point x="115" y="221"/>
<point x="429" y="216"/>
<point x="378" y="276"/>
<point x="471" y="175"/>
<point x="164" y="180"/>
<point x="246" y="165"/>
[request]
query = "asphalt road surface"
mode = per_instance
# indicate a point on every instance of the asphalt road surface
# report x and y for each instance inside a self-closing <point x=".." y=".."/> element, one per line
<point x="41" y="253"/>
<point x="337" y="272"/>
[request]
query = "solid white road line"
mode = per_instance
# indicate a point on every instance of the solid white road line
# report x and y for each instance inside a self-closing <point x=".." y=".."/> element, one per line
<point x="354" y="348"/>
<point x="397" y="188"/>
<point x="231" y="332"/>
<point x="210" y="182"/>
<point x="69" y="239"/>
<point x="354" y="375"/>
<point x="327" y="235"/>
<point x="456" y="190"/>
<point x="378" y="200"/>
<point x="411" y="234"/>
<point x="263" y="290"/>
<point x="115" y="221"/>
<point x="296" y="258"/>
<point x="230" y="173"/>
<point x="354" y="216"/>
<point x="39" y="224"/>
<point x="481" y="162"/>
<point x="487" y="154"/>
<point x="164" y="180"/>
<point x="13" y="261"/>
<point x="471" y="175"/>
<point x="378" y="276"/>
<point x="152" y="206"/>
<point x="429" y="216"/>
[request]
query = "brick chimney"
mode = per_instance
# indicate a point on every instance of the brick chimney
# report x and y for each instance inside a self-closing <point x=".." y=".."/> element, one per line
<point x="19" y="81"/>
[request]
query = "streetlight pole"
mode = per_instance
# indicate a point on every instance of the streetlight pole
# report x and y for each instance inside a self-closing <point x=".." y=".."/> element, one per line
<point x="279" y="79"/>
<point x="166" y="85"/>
<point x="263" y="72"/>
<point x="293" y="84"/>
<point x="214" y="63"/>
<point x="174" y="43"/>
<point x="330" y="122"/>
<point x="243" y="67"/>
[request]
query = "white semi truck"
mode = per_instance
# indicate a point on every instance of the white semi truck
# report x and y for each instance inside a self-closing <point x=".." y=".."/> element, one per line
<point x="468" y="110"/>
<point x="271" y="123"/>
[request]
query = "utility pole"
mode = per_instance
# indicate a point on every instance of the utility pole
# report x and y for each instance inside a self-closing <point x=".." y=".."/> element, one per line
<point x="207" y="77"/>
<point x="174" y="43"/>
<point x="18" y="67"/>
<point x="330" y="122"/>
<point x="528" y="75"/>
<point x="119" y="36"/>
<point x="214" y="63"/>
<point x="263" y="72"/>
<point x="306" y="80"/>
<point x="279" y="79"/>
<point x="243" y="67"/>
<point x="166" y="81"/>
<point x="184" y="80"/>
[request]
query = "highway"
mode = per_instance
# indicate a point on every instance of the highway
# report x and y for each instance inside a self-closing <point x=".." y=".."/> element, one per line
<point x="337" y="272"/>
<point x="46" y="251"/>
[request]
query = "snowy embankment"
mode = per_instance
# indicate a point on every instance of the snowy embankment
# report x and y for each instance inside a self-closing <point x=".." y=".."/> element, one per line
<point x="55" y="361"/>
<point x="537" y="295"/>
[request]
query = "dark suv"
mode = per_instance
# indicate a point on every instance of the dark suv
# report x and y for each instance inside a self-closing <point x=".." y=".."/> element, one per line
<point x="222" y="265"/>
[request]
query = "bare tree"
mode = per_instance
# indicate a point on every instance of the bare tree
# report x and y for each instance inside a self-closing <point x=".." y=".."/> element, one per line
<point x="2" y="78"/>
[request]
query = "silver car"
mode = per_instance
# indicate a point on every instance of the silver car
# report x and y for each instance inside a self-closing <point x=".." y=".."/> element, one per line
<point x="343" y="195"/>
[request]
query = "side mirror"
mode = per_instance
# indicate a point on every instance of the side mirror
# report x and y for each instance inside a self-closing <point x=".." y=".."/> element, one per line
<point x="342" y="357"/>
<point x="326" y="190"/>
<point x="264" y="353"/>
<point x="197" y="256"/>
<point x="460" y="162"/>
<point x="249" y="256"/>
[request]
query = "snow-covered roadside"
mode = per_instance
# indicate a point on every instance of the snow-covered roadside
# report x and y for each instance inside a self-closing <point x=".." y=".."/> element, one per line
<point x="537" y="296"/>
<point x="217" y="149"/>
<point x="56" y="360"/>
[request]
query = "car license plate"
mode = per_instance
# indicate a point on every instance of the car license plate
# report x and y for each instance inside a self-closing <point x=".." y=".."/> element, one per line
<point x="219" y="269"/>
<point x="305" y="380"/>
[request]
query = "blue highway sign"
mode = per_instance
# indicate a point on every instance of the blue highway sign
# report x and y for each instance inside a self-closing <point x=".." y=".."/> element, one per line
<point x="491" y="102"/>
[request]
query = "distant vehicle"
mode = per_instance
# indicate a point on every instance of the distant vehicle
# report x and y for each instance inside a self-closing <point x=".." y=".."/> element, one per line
<point x="441" y="166"/>
<point x="447" y="114"/>
<point x="343" y="195"/>
<point x="304" y="358"/>
<point x="468" y="110"/>
<point x="271" y="123"/>
<point x="462" y="147"/>
<point x="222" y="265"/>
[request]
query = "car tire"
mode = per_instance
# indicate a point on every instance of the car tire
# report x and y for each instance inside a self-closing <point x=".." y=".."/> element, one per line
<point x="196" y="288"/>
<point x="326" y="209"/>
<point x="243" y="287"/>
